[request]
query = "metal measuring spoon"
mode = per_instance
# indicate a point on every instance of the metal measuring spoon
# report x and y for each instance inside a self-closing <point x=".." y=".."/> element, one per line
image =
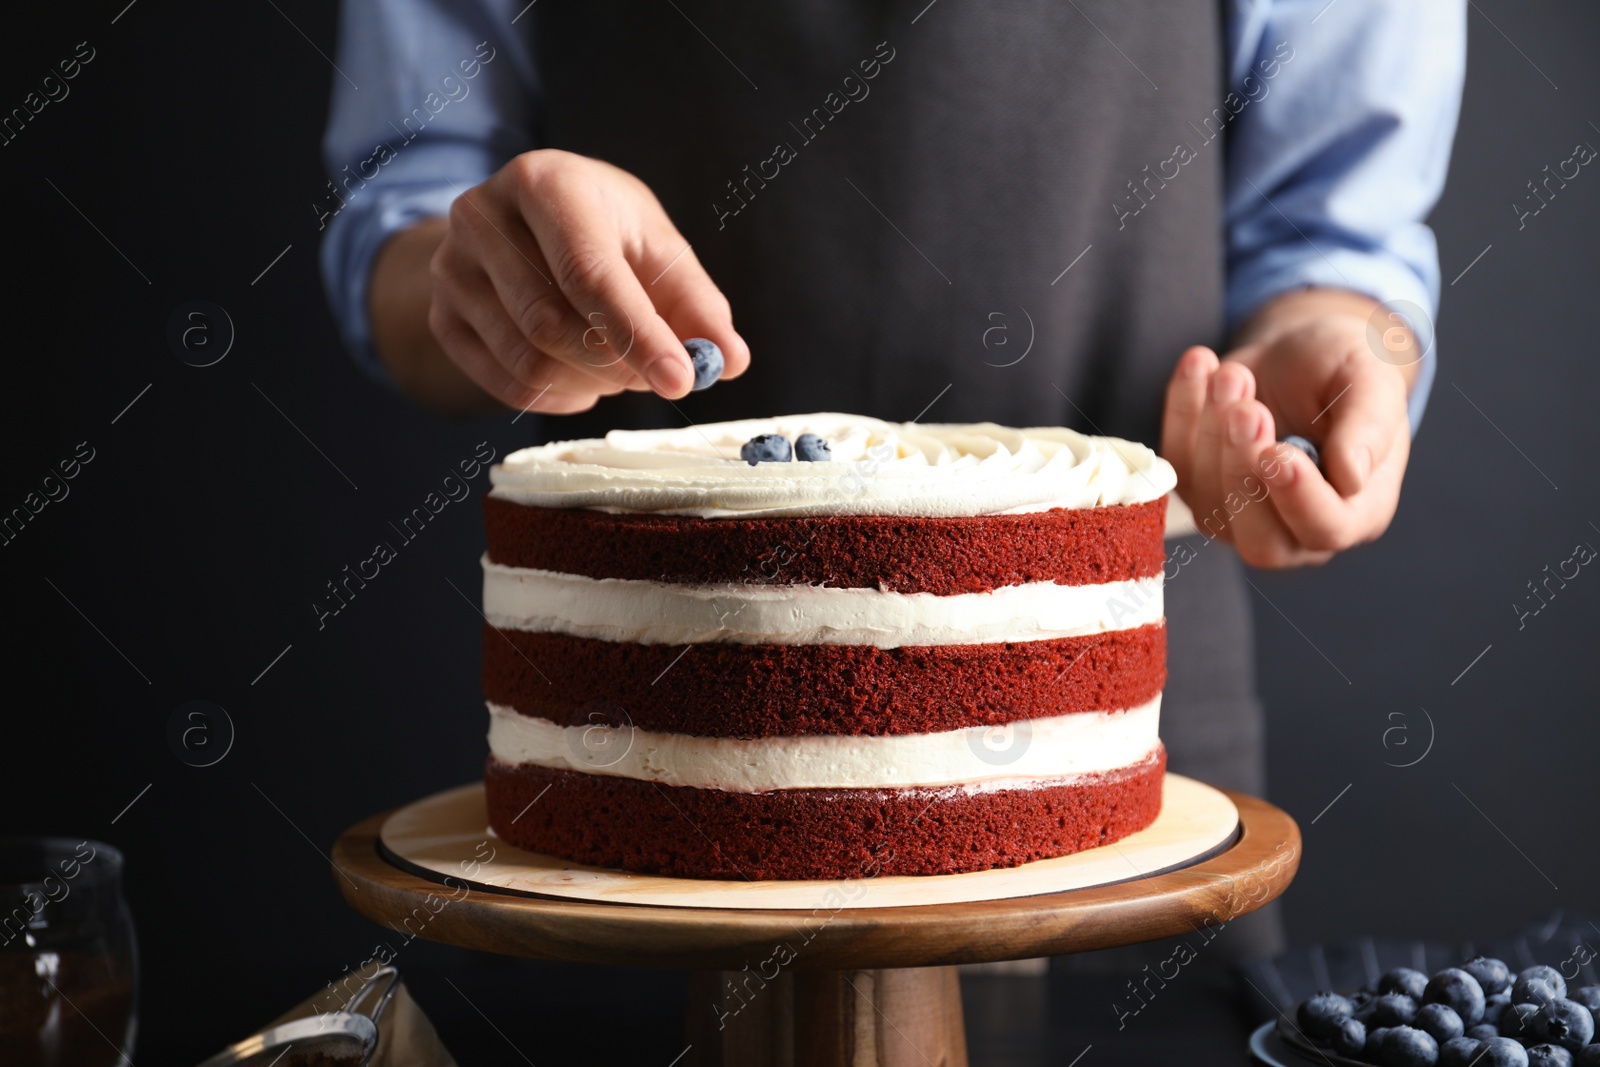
<point x="345" y="1038"/>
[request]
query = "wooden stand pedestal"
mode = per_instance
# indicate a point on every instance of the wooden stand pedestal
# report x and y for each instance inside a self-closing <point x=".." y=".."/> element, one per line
<point x="890" y="1017"/>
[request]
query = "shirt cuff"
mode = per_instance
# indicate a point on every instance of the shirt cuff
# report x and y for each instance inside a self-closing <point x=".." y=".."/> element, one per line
<point x="1382" y="277"/>
<point x="351" y="244"/>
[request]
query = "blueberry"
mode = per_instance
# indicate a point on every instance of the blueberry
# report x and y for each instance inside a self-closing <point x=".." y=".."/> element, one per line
<point x="1404" y="980"/>
<point x="766" y="448"/>
<point x="1492" y="974"/>
<point x="1494" y="1007"/>
<point x="1321" y="1016"/>
<point x="1305" y="445"/>
<point x="1523" y="992"/>
<point x="1503" y="1052"/>
<point x="1441" y="1021"/>
<point x="1589" y="1056"/>
<point x="1406" y="1046"/>
<point x="1395" y="1009"/>
<point x="1459" y="990"/>
<point x="707" y="360"/>
<point x="1372" y="1051"/>
<point x="1520" y="1020"/>
<point x="1459" y="1052"/>
<point x="809" y="448"/>
<point x="1537" y="991"/>
<point x="1349" y="1039"/>
<point x="1588" y="996"/>
<point x="1549" y="1056"/>
<point x="1566" y="1023"/>
<point x="1483" y="1032"/>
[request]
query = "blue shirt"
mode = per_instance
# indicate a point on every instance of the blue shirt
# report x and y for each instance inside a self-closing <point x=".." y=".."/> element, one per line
<point x="1335" y="157"/>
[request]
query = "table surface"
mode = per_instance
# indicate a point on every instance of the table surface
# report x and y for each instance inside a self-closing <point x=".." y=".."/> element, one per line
<point x="1256" y="869"/>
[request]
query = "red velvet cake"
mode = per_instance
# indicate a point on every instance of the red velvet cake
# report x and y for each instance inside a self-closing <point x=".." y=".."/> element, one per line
<point x="937" y="649"/>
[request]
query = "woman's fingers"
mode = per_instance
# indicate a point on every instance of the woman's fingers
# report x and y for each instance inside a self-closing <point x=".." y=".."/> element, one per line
<point x="494" y="243"/>
<point x="689" y="301"/>
<point x="573" y="217"/>
<point x="474" y="298"/>
<point x="1364" y="423"/>
<point x="1230" y="385"/>
<point x="567" y="275"/>
<point x="1186" y="400"/>
<point x="473" y="356"/>
<point x="1251" y="451"/>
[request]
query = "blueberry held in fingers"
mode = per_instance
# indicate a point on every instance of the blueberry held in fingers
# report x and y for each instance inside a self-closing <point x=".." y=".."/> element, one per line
<point x="1306" y="445"/>
<point x="707" y="360"/>
<point x="766" y="448"/>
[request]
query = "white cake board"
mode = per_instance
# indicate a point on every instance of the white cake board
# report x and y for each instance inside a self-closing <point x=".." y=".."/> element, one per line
<point x="444" y="836"/>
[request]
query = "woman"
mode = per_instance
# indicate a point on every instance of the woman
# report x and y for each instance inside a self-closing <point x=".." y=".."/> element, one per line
<point x="1030" y="213"/>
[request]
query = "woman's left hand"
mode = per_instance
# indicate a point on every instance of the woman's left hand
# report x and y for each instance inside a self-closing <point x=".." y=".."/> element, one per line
<point x="1304" y="365"/>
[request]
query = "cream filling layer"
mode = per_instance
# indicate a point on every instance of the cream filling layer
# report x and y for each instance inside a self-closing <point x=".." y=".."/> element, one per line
<point x="651" y="613"/>
<point x="1011" y="756"/>
<point x="875" y="468"/>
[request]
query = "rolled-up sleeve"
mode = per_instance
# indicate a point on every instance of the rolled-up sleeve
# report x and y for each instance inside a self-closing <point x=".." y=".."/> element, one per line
<point x="430" y="97"/>
<point x="1347" y="111"/>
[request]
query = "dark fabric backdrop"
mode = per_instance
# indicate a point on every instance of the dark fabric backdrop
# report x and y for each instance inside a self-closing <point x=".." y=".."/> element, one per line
<point x="187" y="553"/>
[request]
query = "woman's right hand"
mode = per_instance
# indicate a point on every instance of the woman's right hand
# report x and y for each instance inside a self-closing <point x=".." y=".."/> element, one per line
<point x="561" y="280"/>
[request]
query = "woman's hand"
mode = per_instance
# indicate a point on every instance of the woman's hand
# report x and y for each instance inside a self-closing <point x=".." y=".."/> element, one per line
<point x="556" y="282"/>
<point x="1304" y="365"/>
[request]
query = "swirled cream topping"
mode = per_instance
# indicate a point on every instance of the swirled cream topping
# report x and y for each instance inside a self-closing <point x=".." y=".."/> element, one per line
<point x="877" y="468"/>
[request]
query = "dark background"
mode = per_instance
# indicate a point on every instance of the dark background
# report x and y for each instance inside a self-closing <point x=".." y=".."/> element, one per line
<point x="196" y="538"/>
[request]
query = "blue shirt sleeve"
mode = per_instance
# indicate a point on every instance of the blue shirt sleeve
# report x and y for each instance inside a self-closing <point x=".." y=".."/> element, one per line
<point x="1343" y="116"/>
<point x="430" y="98"/>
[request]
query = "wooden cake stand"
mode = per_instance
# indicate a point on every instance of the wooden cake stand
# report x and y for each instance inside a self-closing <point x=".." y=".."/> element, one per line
<point x="820" y="979"/>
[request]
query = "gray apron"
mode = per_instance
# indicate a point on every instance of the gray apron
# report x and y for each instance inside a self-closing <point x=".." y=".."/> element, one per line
<point x="1001" y="208"/>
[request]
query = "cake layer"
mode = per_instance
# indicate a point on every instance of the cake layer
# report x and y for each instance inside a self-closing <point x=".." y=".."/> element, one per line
<point x="728" y="690"/>
<point x="648" y="612"/>
<point x="813" y="833"/>
<point x="1080" y="546"/>
<point x="875" y="468"/>
<point x="1060" y="746"/>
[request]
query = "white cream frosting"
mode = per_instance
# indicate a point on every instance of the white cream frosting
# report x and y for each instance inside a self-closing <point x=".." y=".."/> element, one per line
<point x="662" y="613"/>
<point x="1016" y="755"/>
<point x="877" y="468"/>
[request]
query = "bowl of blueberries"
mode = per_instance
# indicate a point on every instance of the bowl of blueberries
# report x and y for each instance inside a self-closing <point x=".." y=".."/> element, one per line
<point x="1480" y="1014"/>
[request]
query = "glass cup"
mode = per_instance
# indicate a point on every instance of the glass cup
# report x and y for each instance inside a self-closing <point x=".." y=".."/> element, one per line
<point x="68" y="957"/>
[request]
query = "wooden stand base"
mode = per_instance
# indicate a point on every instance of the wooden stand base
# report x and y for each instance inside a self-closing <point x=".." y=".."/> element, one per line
<point x="887" y="1017"/>
<point x="865" y="985"/>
